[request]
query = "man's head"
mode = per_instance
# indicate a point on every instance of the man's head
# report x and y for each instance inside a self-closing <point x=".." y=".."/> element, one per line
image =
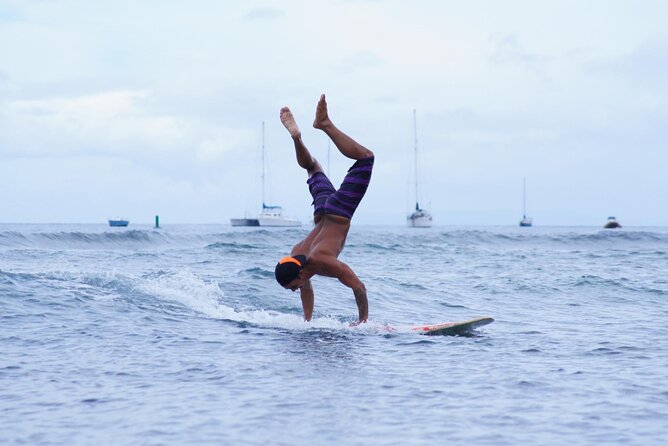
<point x="287" y="270"/>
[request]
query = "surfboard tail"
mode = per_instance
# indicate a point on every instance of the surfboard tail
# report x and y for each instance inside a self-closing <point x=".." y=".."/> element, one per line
<point x="453" y="328"/>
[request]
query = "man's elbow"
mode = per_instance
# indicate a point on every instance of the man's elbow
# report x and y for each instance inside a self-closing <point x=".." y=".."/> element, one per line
<point x="359" y="288"/>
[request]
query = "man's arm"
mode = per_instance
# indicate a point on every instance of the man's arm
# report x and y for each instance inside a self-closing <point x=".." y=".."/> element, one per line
<point x="362" y="303"/>
<point x="348" y="277"/>
<point x="306" y="292"/>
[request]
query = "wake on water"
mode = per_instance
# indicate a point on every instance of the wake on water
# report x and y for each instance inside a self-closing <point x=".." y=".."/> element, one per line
<point x="207" y="299"/>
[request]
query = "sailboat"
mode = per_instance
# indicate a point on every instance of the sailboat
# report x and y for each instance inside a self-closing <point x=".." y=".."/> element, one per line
<point x="612" y="223"/>
<point x="271" y="215"/>
<point x="420" y="218"/>
<point x="526" y="221"/>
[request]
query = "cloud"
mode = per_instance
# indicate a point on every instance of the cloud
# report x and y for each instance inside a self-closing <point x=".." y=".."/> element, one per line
<point x="98" y="106"/>
<point x="361" y="59"/>
<point x="112" y="121"/>
<point x="222" y="141"/>
<point x="647" y="63"/>
<point x="263" y="14"/>
<point x="8" y="14"/>
<point x="507" y="50"/>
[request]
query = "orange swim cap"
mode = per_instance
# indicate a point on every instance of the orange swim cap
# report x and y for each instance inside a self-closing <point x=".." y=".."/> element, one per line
<point x="287" y="269"/>
<point x="289" y="259"/>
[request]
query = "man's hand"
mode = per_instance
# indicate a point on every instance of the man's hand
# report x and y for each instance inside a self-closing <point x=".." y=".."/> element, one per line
<point x="362" y="303"/>
<point x="356" y="323"/>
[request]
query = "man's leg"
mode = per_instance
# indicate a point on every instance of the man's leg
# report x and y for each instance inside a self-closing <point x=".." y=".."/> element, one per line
<point x="346" y="145"/>
<point x="304" y="157"/>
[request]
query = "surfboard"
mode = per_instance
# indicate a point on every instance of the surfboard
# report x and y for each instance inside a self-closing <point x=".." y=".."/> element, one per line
<point x="453" y="328"/>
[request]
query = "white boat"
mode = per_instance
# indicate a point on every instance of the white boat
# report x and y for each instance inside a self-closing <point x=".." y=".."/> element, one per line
<point x="526" y="222"/>
<point x="420" y="218"/>
<point x="273" y="216"/>
<point x="270" y="215"/>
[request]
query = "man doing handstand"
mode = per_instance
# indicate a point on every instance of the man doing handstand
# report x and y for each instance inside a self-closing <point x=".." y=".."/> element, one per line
<point x="318" y="253"/>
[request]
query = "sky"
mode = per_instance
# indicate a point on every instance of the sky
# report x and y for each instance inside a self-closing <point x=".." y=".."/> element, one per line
<point x="136" y="108"/>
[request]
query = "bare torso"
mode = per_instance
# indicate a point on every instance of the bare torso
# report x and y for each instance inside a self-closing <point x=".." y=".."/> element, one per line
<point x="325" y="242"/>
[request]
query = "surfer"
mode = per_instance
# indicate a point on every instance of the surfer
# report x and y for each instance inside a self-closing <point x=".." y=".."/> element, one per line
<point x="317" y="254"/>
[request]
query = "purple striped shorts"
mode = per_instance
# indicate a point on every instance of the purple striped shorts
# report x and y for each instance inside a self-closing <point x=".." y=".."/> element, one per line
<point x="343" y="202"/>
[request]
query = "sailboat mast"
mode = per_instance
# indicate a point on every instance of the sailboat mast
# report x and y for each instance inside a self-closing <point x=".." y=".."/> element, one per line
<point x="415" y="138"/>
<point x="524" y="199"/>
<point x="263" y="202"/>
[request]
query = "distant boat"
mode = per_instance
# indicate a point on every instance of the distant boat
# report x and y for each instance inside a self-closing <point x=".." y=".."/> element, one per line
<point x="273" y="216"/>
<point x="118" y="222"/>
<point x="270" y="215"/>
<point x="420" y="218"/>
<point x="612" y="223"/>
<point x="526" y="222"/>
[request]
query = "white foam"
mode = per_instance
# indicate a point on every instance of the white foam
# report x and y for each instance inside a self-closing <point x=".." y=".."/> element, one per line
<point x="207" y="298"/>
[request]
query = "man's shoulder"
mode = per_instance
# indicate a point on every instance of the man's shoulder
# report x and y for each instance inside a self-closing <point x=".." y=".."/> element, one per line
<point x="301" y="248"/>
<point x="322" y="263"/>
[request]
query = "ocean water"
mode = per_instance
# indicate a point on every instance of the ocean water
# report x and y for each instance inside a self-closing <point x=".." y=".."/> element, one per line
<point x="181" y="336"/>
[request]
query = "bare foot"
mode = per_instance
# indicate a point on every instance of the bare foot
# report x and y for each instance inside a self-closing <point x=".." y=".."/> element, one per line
<point x="321" y="117"/>
<point x="289" y="122"/>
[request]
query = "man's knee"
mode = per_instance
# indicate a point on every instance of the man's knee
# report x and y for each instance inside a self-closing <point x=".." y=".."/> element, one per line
<point x="367" y="153"/>
<point x="314" y="167"/>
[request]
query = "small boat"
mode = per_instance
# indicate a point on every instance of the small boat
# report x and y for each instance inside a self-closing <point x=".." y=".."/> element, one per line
<point x="612" y="223"/>
<point x="118" y="222"/>
<point x="420" y="218"/>
<point x="526" y="222"/>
